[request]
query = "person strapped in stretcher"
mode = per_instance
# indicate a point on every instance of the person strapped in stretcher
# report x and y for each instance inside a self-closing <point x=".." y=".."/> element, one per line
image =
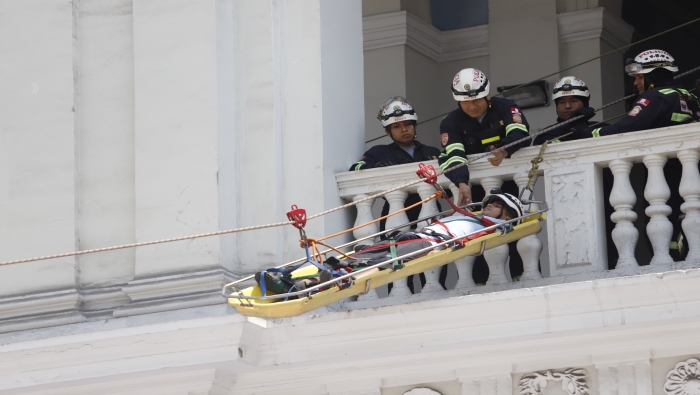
<point x="497" y="207"/>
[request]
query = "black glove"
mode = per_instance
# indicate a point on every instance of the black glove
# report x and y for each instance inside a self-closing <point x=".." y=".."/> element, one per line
<point x="587" y="112"/>
<point x="581" y="131"/>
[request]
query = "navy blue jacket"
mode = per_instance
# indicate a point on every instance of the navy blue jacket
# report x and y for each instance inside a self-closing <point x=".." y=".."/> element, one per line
<point x="656" y="108"/>
<point x="392" y="154"/>
<point x="462" y="135"/>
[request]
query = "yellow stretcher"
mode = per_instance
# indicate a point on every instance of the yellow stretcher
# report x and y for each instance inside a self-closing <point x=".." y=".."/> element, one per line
<point x="250" y="301"/>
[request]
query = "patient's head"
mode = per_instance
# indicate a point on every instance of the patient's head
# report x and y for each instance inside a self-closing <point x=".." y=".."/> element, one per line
<point x="501" y="205"/>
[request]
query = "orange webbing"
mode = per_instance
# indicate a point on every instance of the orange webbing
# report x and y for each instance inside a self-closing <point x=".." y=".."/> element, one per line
<point x="436" y="195"/>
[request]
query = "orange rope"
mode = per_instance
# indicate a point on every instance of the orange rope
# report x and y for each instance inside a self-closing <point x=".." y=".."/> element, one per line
<point x="436" y="195"/>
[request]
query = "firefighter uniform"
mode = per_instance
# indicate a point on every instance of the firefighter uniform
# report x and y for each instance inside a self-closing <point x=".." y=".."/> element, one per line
<point x="392" y="154"/>
<point x="562" y="130"/>
<point x="656" y="108"/>
<point x="462" y="135"/>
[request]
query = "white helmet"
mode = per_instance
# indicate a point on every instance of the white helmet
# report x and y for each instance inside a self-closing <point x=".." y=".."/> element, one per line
<point x="470" y="84"/>
<point x="511" y="201"/>
<point x="649" y="61"/>
<point x="396" y="109"/>
<point x="570" y="86"/>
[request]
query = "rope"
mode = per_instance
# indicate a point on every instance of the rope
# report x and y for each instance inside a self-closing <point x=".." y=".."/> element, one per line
<point x="436" y="195"/>
<point x="371" y="197"/>
<point x="146" y="243"/>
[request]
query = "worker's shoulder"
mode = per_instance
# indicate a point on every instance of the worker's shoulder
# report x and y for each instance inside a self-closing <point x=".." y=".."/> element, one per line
<point x="502" y="103"/>
<point x="452" y="119"/>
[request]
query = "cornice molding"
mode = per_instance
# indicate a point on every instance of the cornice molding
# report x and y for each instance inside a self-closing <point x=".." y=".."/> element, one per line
<point x="594" y="23"/>
<point x="402" y="28"/>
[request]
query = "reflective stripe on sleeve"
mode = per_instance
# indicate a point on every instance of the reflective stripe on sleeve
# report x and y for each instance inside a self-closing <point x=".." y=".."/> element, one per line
<point x="456" y="159"/>
<point x="359" y="164"/>
<point x="678" y="117"/>
<point x="667" y="91"/>
<point x="514" y="126"/>
<point x="453" y="147"/>
<point x="596" y="132"/>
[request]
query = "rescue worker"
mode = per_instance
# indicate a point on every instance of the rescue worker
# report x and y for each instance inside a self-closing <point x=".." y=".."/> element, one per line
<point x="479" y="124"/>
<point x="399" y="121"/>
<point x="571" y="98"/>
<point x="661" y="103"/>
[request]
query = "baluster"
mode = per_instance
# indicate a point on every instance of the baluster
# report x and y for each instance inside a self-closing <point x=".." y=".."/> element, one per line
<point x="529" y="247"/>
<point x="428" y="208"/>
<point x="455" y="193"/>
<point x="622" y="198"/>
<point x="465" y="267"/>
<point x="432" y="276"/>
<point x="396" y="201"/>
<point x="689" y="189"/>
<point x="488" y="183"/>
<point x="496" y="258"/>
<point x="364" y="215"/>
<point x="657" y="192"/>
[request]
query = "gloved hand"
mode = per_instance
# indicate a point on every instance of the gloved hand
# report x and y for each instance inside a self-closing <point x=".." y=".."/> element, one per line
<point x="587" y="112"/>
<point x="581" y="131"/>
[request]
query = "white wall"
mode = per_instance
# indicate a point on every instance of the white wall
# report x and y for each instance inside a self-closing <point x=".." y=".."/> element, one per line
<point x="37" y="144"/>
<point x="105" y="139"/>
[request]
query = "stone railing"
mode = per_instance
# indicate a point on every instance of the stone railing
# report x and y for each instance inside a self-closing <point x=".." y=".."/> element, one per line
<point x="571" y="181"/>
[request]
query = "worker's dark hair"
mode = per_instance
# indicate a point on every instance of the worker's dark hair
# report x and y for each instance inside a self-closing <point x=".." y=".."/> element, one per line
<point x="658" y="77"/>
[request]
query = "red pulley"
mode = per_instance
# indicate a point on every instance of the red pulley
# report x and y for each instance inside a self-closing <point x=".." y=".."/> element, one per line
<point x="428" y="173"/>
<point x="298" y="215"/>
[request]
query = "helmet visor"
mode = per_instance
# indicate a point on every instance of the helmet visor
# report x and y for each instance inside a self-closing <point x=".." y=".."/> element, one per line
<point x="636" y="68"/>
<point x="569" y="87"/>
<point x="393" y="99"/>
<point x="396" y="113"/>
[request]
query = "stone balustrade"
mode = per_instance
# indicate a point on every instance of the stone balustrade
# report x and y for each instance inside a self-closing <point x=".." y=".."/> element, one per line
<point x="573" y="246"/>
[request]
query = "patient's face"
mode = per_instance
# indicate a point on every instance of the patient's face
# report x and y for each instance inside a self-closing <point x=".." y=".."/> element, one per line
<point x="495" y="210"/>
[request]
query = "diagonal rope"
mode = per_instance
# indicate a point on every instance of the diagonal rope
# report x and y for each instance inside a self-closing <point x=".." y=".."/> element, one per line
<point x="371" y="197"/>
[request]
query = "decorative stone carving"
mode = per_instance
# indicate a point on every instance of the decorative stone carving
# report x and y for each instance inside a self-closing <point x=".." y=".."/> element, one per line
<point x="657" y="192"/>
<point x="422" y="391"/>
<point x="684" y="379"/>
<point x="364" y="215"/>
<point x="573" y="381"/>
<point x="622" y="198"/>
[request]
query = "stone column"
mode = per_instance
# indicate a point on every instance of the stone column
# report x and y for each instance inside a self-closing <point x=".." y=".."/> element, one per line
<point x="432" y="276"/>
<point x="657" y="192"/>
<point x="689" y="189"/>
<point x="396" y="201"/>
<point x="364" y="215"/>
<point x="496" y="258"/>
<point x="530" y="247"/>
<point x="575" y="220"/>
<point x="622" y="198"/>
